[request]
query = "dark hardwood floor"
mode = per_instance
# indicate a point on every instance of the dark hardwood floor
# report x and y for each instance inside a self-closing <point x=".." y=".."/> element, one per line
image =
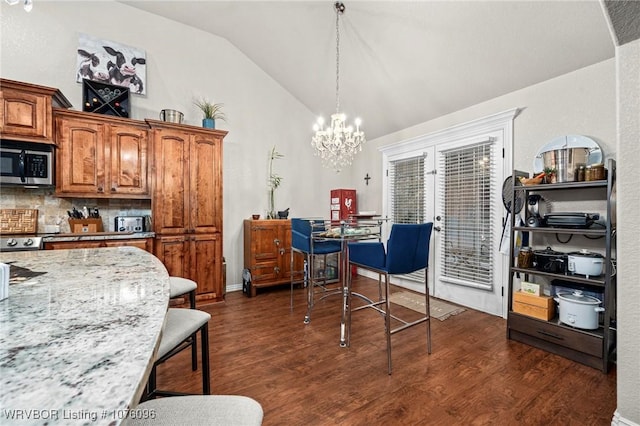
<point x="300" y="375"/>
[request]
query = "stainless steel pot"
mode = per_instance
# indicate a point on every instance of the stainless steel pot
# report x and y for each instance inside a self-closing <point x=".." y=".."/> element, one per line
<point x="586" y="263"/>
<point x="565" y="161"/>
<point x="579" y="310"/>
<point x="171" y="116"/>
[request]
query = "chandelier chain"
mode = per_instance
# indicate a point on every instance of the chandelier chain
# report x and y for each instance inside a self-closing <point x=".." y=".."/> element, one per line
<point x="337" y="60"/>
<point x="337" y="143"/>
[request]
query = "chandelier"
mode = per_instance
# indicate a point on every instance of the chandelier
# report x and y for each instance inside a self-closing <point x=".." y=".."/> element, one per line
<point x="28" y="4"/>
<point x="337" y="143"/>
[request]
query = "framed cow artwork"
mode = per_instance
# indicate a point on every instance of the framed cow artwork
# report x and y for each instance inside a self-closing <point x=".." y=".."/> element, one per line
<point x="112" y="63"/>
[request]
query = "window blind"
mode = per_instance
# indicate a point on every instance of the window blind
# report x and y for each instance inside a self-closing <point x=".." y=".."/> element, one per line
<point x="466" y="181"/>
<point x="407" y="196"/>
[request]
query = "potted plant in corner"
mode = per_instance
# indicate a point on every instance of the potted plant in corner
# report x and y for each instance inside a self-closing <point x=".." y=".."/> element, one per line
<point x="211" y="112"/>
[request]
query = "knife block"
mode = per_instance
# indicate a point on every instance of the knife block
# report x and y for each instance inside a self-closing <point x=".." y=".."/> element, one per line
<point x="85" y="226"/>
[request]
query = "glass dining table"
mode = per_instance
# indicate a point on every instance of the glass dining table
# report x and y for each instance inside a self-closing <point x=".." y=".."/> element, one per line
<point x="356" y="228"/>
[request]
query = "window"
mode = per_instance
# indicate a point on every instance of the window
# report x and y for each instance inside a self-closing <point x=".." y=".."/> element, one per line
<point x="407" y="190"/>
<point x="466" y="198"/>
<point x="407" y="196"/>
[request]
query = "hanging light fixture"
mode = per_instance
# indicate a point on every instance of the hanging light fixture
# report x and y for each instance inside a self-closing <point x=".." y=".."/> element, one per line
<point x="337" y="143"/>
<point x="28" y="4"/>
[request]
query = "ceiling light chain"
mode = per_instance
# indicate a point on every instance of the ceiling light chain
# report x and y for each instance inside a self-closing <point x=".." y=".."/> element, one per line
<point x="337" y="144"/>
<point x="338" y="13"/>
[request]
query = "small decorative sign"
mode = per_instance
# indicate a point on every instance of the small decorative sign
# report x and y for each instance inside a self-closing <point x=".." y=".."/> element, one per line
<point x="530" y="288"/>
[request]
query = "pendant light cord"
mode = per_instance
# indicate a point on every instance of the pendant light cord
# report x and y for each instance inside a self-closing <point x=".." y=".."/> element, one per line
<point x="339" y="10"/>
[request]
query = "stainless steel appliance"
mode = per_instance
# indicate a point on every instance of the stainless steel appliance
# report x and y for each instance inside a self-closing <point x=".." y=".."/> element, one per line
<point x="26" y="164"/>
<point x="130" y="224"/>
<point x="20" y="243"/>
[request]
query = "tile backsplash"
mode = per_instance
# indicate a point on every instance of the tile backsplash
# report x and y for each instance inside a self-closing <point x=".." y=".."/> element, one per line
<point x="52" y="210"/>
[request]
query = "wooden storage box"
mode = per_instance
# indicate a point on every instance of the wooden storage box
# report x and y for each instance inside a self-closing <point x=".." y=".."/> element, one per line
<point x="84" y="226"/>
<point x="541" y="307"/>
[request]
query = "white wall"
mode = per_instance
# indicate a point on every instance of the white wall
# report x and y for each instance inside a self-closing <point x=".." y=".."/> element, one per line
<point x="628" y="206"/>
<point x="182" y="63"/>
<point x="581" y="102"/>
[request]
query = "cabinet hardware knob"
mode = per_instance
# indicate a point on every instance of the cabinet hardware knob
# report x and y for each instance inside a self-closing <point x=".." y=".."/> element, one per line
<point x="281" y="251"/>
<point x="113" y="189"/>
<point x="100" y="189"/>
<point x="276" y="242"/>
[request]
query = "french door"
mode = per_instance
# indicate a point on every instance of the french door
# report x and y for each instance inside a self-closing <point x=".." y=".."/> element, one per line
<point x="454" y="179"/>
<point x="468" y="223"/>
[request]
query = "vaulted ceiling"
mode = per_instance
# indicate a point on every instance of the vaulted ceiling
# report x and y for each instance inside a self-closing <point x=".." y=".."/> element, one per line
<point x="403" y="62"/>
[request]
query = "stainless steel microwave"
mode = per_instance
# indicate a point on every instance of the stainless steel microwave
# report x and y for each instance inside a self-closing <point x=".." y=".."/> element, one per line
<point x="26" y="164"/>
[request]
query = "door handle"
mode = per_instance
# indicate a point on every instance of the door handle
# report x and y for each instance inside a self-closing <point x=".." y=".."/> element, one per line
<point x="437" y="228"/>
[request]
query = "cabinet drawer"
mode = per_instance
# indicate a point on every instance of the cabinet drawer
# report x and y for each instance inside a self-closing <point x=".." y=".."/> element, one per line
<point x="265" y="271"/>
<point x="558" y="335"/>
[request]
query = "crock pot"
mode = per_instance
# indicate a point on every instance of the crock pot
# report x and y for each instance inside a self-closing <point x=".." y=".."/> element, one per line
<point x="548" y="260"/>
<point x="579" y="310"/>
<point x="586" y="263"/>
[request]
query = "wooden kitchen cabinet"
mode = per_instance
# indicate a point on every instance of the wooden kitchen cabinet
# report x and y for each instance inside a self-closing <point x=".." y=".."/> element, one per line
<point x="101" y="156"/>
<point x="197" y="257"/>
<point x="187" y="203"/>
<point x="267" y="252"/>
<point x="143" y="243"/>
<point x="26" y="111"/>
<point x="187" y="179"/>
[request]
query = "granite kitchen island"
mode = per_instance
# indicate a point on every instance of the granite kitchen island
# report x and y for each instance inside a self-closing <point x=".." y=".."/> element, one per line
<point x="78" y="334"/>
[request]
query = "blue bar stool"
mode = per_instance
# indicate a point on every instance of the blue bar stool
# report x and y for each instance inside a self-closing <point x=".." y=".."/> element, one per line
<point x="302" y="241"/>
<point x="407" y="251"/>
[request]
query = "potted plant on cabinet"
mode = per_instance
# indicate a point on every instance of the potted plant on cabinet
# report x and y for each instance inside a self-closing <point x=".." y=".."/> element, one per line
<point x="273" y="183"/>
<point x="211" y="112"/>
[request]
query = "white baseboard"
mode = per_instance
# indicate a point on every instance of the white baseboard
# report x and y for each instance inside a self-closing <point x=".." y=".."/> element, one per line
<point x="234" y="287"/>
<point x="618" y="420"/>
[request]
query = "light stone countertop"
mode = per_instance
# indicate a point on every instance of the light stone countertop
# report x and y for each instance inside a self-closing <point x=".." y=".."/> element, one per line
<point x="77" y="343"/>
<point x="97" y="236"/>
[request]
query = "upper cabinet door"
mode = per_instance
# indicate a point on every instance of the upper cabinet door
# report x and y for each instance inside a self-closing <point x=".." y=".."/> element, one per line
<point x="25" y="111"/>
<point x="80" y="156"/>
<point x="171" y="182"/>
<point x="129" y="160"/>
<point x="187" y="174"/>
<point x="205" y="189"/>
<point x="101" y="156"/>
<point x="25" y="115"/>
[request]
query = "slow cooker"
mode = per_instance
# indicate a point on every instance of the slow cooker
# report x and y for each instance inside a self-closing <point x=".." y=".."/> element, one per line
<point x="579" y="310"/>
<point x="549" y="260"/>
<point x="586" y="263"/>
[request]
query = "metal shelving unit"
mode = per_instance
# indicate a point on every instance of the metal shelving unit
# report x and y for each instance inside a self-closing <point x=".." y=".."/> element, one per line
<point x="591" y="347"/>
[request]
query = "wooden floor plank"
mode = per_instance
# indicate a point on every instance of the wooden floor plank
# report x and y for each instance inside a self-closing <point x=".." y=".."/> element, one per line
<point x="300" y="375"/>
